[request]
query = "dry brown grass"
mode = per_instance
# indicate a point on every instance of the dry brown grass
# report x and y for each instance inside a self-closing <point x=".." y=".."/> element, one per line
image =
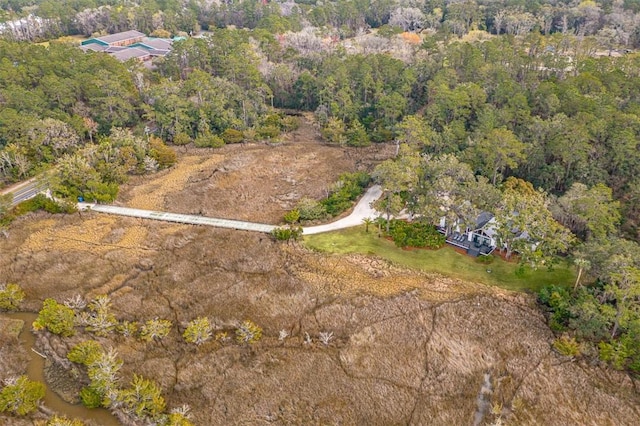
<point x="151" y="194"/>
<point x="96" y="235"/>
<point x="356" y="274"/>
<point x="408" y="348"/>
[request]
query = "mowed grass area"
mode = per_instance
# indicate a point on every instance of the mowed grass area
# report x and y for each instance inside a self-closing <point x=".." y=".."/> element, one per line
<point x="445" y="261"/>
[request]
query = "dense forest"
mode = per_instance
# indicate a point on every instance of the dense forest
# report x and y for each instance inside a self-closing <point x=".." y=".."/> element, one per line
<point x="613" y="21"/>
<point x="523" y="106"/>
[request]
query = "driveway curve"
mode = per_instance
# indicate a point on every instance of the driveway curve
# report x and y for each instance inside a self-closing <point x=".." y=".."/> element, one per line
<point x="361" y="210"/>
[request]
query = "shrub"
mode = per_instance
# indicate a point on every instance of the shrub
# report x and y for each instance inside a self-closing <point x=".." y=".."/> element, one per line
<point x="249" y="135"/>
<point x="272" y="120"/>
<point x="232" y="136"/>
<point x="104" y="376"/>
<point x="622" y="354"/>
<point x="11" y="295"/>
<point x="334" y="131"/>
<point x="357" y="135"/>
<point x="289" y="123"/>
<point x="5" y="203"/>
<point x="63" y="421"/>
<point x="567" y="346"/>
<point x="311" y="209"/>
<point x="198" y="331"/>
<point x="208" y="141"/>
<point x="90" y="397"/>
<point x="181" y="139"/>
<point x="348" y="187"/>
<point x="85" y="353"/>
<point x="22" y="396"/>
<point x="415" y="234"/>
<point x="292" y="216"/>
<point x="557" y="301"/>
<point x="164" y="155"/>
<point x="380" y="133"/>
<point x="128" y="328"/>
<point x="56" y="318"/>
<point x="155" y="329"/>
<point x="268" y="132"/>
<point x="287" y="234"/>
<point x="177" y="419"/>
<point x="143" y="398"/>
<point x="41" y="202"/>
<point x="248" y="332"/>
<point x="101" y="321"/>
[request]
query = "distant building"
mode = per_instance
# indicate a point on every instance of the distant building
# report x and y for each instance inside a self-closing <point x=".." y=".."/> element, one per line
<point x="118" y="39"/>
<point x="129" y="45"/>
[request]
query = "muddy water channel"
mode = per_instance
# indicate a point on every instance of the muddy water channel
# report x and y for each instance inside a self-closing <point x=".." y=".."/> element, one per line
<point x="35" y="371"/>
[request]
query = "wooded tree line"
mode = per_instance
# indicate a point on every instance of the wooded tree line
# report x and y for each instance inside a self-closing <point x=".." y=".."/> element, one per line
<point x="614" y="21"/>
<point x="538" y="108"/>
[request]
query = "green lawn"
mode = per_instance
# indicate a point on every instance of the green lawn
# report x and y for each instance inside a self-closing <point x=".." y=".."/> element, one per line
<point x="445" y="261"/>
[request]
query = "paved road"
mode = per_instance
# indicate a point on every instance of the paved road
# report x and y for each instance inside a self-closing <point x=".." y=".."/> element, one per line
<point x="362" y="210"/>
<point x="24" y="190"/>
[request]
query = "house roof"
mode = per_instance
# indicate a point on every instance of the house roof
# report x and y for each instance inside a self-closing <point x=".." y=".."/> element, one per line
<point x="155" y="46"/>
<point x="119" y="37"/>
<point x="113" y="49"/>
<point x="159" y="52"/>
<point x="95" y="41"/>
<point x="158" y="43"/>
<point x="482" y="219"/>
<point x="127" y="54"/>
<point x="94" y="47"/>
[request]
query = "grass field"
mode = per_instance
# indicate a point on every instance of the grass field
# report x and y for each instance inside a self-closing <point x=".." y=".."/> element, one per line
<point x="445" y="261"/>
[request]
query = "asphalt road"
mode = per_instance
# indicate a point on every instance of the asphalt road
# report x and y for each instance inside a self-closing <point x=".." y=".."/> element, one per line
<point x="24" y="190"/>
<point x="362" y="210"/>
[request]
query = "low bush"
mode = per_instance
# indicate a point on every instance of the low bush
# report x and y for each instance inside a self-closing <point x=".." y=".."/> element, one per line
<point x="567" y="346"/>
<point x="90" y="397"/>
<point x="41" y="202"/>
<point x="248" y="332"/>
<point x="208" y="141"/>
<point x="11" y="295"/>
<point x="415" y="234"/>
<point x="348" y="187"/>
<point x="22" y="396"/>
<point x="232" y="136"/>
<point x="163" y="154"/>
<point x="289" y="123"/>
<point x="56" y="318"/>
<point x="292" y="216"/>
<point x="557" y="301"/>
<point x="309" y="209"/>
<point x="268" y="132"/>
<point x="286" y="234"/>
<point x="181" y="139"/>
<point x="85" y="352"/>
